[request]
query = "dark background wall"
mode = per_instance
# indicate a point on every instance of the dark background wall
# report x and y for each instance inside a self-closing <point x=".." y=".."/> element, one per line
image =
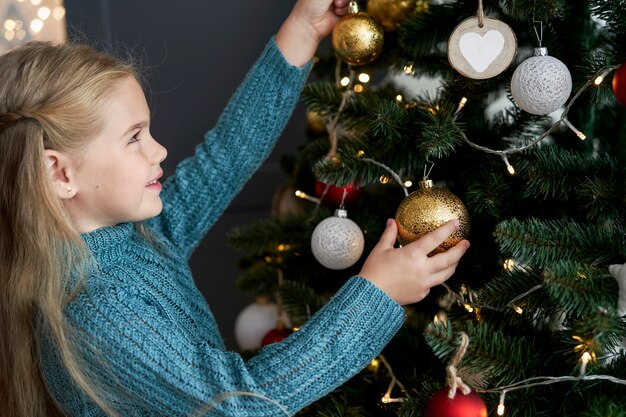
<point x="197" y="52"/>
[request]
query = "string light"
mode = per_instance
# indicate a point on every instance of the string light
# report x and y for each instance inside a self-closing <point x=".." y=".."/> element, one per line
<point x="509" y="264"/>
<point x="358" y="88"/>
<point x="517" y="309"/>
<point x="501" y="403"/>
<point x="44" y="13"/>
<point x="408" y="183"/>
<point x="578" y="133"/>
<point x="461" y="104"/>
<point x="601" y="77"/>
<point x="408" y="69"/>
<point x="399" y="98"/>
<point x="509" y="167"/>
<point x="305" y="196"/>
<point x="364" y="77"/>
<point x="345" y="81"/>
<point x="384" y="179"/>
<point x="360" y="154"/>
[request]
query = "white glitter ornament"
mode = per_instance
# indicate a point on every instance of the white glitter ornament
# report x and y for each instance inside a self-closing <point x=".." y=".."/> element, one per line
<point x="337" y="242"/>
<point x="541" y="84"/>
<point x="255" y="320"/>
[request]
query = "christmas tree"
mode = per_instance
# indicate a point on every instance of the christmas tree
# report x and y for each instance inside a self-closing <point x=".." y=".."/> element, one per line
<point x="527" y="127"/>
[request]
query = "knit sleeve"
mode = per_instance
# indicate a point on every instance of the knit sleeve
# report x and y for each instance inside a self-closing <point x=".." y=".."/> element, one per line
<point x="204" y="184"/>
<point x="160" y="371"/>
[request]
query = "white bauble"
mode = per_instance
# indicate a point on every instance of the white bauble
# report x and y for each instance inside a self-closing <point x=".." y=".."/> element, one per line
<point x="337" y="242"/>
<point x="254" y="321"/>
<point x="541" y="84"/>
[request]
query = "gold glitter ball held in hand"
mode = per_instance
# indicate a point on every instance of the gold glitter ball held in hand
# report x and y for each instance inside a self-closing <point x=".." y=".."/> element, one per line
<point x="428" y="208"/>
<point x="357" y="38"/>
<point x="391" y="13"/>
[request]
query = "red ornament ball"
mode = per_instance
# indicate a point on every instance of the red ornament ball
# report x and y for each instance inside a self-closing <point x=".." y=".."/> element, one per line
<point x="470" y="405"/>
<point x="334" y="195"/>
<point x="276" y="335"/>
<point x="619" y="84"/>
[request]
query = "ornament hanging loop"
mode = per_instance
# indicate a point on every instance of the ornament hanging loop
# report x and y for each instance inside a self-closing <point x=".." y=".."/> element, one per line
<point x="427" y="170"/>
<point x="353" y="7"/>
<point x="453" y="380"/>
<point x="481" y="14"/>
<point x="539" y="33"/>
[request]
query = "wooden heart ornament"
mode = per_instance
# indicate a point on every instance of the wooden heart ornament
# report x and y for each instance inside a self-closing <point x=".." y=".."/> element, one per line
<point x="481" y="52"/>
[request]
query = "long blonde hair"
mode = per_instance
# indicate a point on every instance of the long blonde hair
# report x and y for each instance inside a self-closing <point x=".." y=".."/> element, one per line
<point x="50" y="98"/>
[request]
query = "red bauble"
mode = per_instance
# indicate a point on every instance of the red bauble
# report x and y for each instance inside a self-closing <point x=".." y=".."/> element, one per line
<point x="470" y="405"/>
<point x="276" y="335"/>
<point x="619" y="84"/>
<point x="334" y="195"/>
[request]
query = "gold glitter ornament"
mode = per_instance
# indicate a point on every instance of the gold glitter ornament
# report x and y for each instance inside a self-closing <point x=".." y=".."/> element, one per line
<point x="390" y="13"/>
<point x="357" y="38"/>
<point x="428" y="208"/>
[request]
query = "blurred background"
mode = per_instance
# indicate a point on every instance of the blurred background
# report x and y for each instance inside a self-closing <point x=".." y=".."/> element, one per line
<point x="196" y="53"/>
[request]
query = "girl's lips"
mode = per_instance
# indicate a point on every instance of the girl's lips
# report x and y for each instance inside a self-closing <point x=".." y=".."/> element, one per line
<point x="156" y="185"/>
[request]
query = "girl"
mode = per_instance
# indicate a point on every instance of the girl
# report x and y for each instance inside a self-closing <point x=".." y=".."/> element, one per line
<point x="99" y="313"/>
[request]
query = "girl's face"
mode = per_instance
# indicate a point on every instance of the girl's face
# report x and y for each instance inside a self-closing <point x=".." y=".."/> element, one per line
<point x="116" y="176"/>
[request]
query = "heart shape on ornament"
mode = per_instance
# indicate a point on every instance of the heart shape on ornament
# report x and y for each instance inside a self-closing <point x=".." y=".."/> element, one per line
<point x="481" y="51"/>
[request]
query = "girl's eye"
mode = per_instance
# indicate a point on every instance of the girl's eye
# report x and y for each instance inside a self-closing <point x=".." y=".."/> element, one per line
<point x="135" y="138"/>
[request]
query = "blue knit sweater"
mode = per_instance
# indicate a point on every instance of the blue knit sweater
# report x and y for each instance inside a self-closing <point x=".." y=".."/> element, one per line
<point x="150" y="339"/>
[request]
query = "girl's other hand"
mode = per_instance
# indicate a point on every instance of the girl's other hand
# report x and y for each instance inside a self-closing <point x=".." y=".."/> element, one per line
<point x="407" y="274"/>
<point x="309" y="22"/>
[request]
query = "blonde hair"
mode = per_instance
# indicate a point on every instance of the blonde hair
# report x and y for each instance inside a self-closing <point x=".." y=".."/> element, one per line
<point x="50" y="98"/>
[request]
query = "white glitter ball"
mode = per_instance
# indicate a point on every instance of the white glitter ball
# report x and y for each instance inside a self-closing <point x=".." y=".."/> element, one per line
<point x="541" y="84"/>
<point x="254" y="321"/>
<point x="337" y="242"/>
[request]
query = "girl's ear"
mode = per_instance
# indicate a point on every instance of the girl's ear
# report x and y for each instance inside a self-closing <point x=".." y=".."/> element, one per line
<point x="60" y="171"/>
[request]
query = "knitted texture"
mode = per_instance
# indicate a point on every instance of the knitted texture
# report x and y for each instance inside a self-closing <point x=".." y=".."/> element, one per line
<point x="149" y="340"/>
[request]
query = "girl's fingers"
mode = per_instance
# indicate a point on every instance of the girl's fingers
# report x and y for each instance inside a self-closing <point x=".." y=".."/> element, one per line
<point x="442" y="276"/>
<point x="431" y="240"/>
<point x="450" y="257"/>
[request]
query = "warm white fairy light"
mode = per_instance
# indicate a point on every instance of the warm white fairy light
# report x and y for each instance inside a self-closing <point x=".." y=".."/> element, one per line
<point x="509" y="167"/>
<point x="58" y="13"/>
<point x="408" y="183"/>
<point x="305" y="196"/>
<point x="408" y="69"/>
<point x="501" y="403"/>
<point x="601" y="77"/>
<point x="399" y="98"/>
<point x="36" y="25"/>
<point x="578" y="133"/>
<point x="462" y="104"/>
<point x="364" y="77"/>
<point x="345" y="81"/>
<point x="44" y="13"/>
<point x="358" y="88"/>
<point x="509" y="264"/>
<point x="384" y="179"/>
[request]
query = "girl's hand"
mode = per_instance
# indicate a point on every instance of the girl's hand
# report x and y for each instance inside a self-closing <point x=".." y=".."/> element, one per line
<point x="309" y="22"/>
<point x="407" y="274"/>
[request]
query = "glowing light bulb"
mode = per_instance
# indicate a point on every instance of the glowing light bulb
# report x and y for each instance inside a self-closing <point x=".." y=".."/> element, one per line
<point x="408" y="183"/>
<point x="10" y="24"/>
<point x="58" y="12"/>
<point x="364" y="78"/>
<point x="44" y="13"/>
<point x="500" y="409"/>
<point x="399" y="98"/>
<point x="358" y="88"/>
<point x="36" y="25"/>
<point x="344" y="81"/>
